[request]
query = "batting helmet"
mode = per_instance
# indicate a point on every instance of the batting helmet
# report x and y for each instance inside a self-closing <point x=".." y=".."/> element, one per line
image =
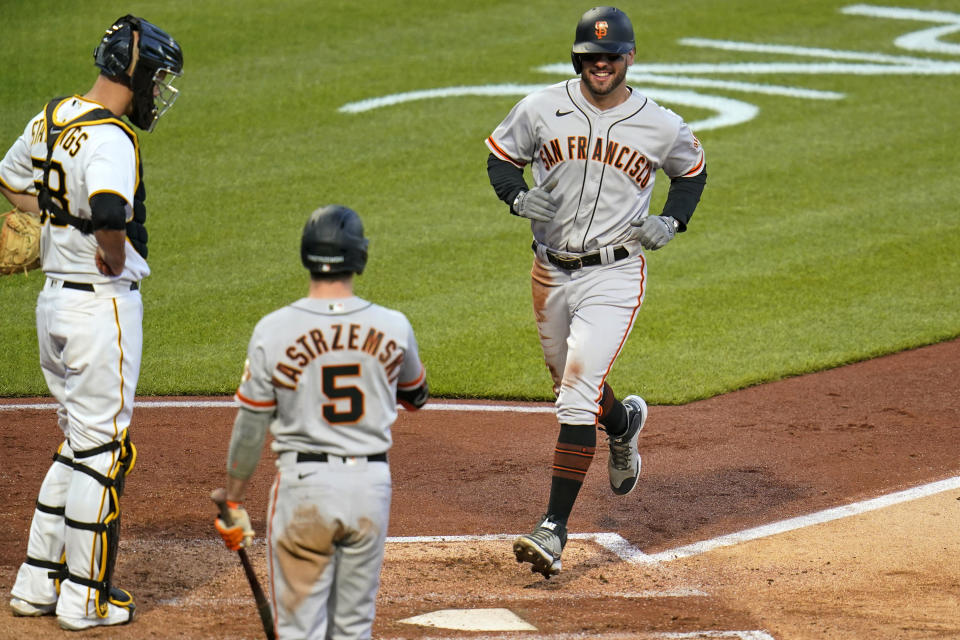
<point x="158" y="60"/>
<point x="602" y="30"/>
<point x="333" y="241"/>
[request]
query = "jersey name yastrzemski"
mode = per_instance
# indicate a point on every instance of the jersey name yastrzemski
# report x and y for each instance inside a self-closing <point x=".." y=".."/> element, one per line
<point x="337" y="337"/>
<point x="330" y="369"/>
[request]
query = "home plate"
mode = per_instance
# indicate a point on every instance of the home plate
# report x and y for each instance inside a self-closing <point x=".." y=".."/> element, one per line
<point x="472" y="620"/>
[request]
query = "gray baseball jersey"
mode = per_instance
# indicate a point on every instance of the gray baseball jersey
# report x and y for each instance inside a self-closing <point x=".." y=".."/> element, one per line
<point x="331" y="369"/>
<point x="605" y="163"/>
<point x="605" y="160"/>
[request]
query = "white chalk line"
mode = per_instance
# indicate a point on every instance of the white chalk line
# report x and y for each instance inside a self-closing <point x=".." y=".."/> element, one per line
<point x="616" y="544"/>
<point x="195" y="600"/>
<point x="637" y="635"/>
<point x="219" y="404"/>
<point x="792" y="524"/>
<point x="620" y="547"/>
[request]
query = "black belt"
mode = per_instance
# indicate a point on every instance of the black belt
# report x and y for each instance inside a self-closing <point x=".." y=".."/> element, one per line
<point x="322" y="457"/>
<point x="86" y="286"/>
<point x="573" y="263"/>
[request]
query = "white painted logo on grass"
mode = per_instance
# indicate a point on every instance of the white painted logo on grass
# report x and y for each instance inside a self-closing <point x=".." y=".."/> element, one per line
<point x="728" y="111"/>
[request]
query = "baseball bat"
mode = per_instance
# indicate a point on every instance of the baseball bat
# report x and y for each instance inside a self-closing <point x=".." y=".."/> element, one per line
<point x="219" y="497"/>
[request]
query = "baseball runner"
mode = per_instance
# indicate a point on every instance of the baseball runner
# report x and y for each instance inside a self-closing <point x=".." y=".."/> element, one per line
<point x="324" y="374"/>
<point x="595" y="145"/>
<point x="77" y="164"/>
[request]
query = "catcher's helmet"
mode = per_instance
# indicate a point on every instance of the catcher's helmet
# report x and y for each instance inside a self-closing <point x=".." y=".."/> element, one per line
<point x="333" y="241"/>
<point x="149" y="72"/>
<point x="602" y="30"/>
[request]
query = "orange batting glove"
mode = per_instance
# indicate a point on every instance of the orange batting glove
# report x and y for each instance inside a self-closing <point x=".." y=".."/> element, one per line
<point x="238" y="533"/>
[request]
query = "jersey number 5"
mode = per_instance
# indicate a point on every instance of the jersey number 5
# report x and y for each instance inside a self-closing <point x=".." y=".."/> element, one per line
<point x="335" y="391"/>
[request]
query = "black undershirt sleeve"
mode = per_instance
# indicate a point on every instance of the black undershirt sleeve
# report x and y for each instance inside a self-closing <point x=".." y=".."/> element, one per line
<point x="506" y="179"/>
<point x="108" y="211"/>
<point x="413" y="399"/>
<point x="683" y="196"/>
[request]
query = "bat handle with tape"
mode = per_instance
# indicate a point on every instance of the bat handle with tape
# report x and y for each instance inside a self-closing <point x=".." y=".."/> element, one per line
<point x="219" y="497"/>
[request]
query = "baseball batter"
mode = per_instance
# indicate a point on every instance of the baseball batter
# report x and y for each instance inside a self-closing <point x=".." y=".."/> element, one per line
<point x="594" y="145"/>
<point x="78" y="165"/>
<point x="324" y="374"/>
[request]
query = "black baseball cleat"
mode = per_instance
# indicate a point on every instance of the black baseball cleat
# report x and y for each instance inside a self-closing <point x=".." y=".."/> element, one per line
<point x="623" y="465"/>
<point x="543" y="547"/>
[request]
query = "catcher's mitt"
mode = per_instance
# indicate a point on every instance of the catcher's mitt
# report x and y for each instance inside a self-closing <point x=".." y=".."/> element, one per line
<point x="19" y="242"/>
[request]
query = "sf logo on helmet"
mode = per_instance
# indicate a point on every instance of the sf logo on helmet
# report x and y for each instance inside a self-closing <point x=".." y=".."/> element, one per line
<point x="600" y="28"/>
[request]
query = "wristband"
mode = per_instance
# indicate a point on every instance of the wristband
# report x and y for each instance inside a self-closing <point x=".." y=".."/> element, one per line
<point x="515" y="207"/>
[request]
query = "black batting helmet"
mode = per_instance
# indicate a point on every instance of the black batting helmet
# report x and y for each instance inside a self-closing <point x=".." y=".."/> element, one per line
<point x="333" y="241"/>
<point x="157" y="61"/>
<point x="602" y="30"/>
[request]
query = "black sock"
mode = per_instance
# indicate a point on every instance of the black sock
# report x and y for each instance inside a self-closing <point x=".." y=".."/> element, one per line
<point x="576" y="445"/>
<point x="613" y="416"/>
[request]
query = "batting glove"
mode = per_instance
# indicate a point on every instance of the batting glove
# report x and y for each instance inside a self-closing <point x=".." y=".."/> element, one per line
<point x="654" y="231"/>
<point x="237" y="533"/>
<point x="538" y="203"/>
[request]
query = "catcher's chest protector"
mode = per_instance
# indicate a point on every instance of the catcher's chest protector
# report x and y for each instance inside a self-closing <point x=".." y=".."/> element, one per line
<point x="52" y="202"/>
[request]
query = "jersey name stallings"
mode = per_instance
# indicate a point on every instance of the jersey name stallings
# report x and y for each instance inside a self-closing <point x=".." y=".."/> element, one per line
<point x="314" y="343"/>
<point x="615" y="154"/>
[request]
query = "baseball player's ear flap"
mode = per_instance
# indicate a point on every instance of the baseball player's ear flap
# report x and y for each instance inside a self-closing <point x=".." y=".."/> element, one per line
<point x="577" y="64"/>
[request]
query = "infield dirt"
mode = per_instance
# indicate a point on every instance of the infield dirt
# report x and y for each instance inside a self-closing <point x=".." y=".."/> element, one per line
<point x="710" y="468"/>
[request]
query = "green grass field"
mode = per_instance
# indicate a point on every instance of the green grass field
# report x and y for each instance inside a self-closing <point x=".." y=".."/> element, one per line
<point x="828" y="232"/>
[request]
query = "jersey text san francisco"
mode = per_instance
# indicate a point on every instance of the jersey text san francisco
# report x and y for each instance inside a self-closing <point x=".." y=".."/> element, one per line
<point x="613" y="153"/>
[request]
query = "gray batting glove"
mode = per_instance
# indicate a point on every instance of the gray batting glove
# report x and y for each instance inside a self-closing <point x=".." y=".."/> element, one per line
<point x="654" y="231"/>
<point x="538" y="203"/>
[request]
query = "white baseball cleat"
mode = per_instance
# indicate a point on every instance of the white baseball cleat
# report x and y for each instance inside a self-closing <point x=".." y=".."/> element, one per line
<point x="21" y="607"/>
<point x="623" y="465"/>
<point x="120" y="610"/>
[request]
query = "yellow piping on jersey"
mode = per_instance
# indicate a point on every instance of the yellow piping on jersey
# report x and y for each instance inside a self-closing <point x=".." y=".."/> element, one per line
<point x="116" y="318"/>
<point x="111" y="120"/>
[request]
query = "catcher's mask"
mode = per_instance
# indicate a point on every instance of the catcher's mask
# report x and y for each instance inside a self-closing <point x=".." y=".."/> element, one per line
<point x="602" y="30"/>
<point x="333" y="242"/>
<point x="144" y="58"/>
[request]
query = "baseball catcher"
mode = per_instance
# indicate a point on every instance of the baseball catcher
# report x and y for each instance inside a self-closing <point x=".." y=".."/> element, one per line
<point x="77" y="164"/>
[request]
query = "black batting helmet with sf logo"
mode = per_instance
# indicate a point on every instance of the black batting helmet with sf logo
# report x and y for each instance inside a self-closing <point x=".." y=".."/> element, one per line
<point x="602" y="30"/>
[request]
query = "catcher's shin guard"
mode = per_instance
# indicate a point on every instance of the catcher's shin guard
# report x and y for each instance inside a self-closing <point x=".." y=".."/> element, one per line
<point x="93" y="530"/>
<point x="38" y="579"/>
